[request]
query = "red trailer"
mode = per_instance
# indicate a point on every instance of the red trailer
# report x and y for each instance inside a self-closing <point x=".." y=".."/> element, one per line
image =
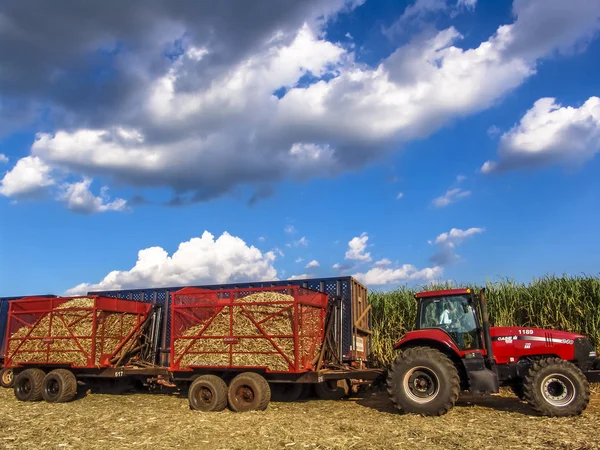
<point x="236" y="345"/>
<point x="51" y="342"/>
<point x="227" y="347"/>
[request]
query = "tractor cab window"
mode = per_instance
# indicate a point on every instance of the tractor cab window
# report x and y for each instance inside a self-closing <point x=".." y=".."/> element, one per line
<point x="455" y="315"/>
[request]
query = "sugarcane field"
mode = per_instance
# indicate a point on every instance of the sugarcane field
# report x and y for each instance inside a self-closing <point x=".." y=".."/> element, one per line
<point x="300" y="224"/>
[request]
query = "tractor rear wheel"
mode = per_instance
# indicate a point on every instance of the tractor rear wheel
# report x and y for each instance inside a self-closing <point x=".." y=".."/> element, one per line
<point x="6" y="378"/>
<point x="249" y="391"/>
<point x="556" y="388"/>
<point x="332" y="389"/>
<point x="208" y="393"/>
<point x="28" y="385"/>
<point x="423" y="380"/>
<point x="59" y="386"/>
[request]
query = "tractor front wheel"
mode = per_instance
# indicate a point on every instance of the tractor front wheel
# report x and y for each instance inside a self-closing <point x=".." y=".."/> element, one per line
<point x="556" y="388"/>
<point x="423" y="380"/>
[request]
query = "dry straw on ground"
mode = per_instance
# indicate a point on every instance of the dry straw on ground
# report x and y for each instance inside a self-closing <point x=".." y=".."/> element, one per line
<point x="278" y="321"/>
<point x="62" y="326"/>
<point x="145" y="421"/>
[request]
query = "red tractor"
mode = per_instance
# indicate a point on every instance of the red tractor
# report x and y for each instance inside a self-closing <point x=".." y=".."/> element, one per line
<point x="454" y="349"/>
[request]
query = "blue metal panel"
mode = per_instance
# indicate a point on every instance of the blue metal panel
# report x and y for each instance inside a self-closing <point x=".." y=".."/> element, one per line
<point x="332" y="286"/>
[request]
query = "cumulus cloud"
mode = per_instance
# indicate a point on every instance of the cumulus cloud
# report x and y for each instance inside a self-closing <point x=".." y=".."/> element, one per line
<point x="405" y="273"/>
<point x="203" y="260"/>
<point x="399" y="196"/>
<point x="302" y="276"/>
<point x="3" y="158"/>
<point x="550" y="134"/>
<point x="467" y="4"/>
<point x="207" y="122"/>
<point x="357" y="247"/>
<point x="29" y="177"/>
<point x="302" y="242"/>
<point x="451" y="196"/>
<point x="289" y="229"/>
<point x="80" y="199"/>
<point x="313" y="263"/>
<point x="447" y="243"/>
<point x="382" y="262"/>
<point x="299" y="260"/>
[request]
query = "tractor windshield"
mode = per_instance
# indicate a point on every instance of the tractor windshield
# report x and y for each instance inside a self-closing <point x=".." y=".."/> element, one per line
<point x="453" y="314"/>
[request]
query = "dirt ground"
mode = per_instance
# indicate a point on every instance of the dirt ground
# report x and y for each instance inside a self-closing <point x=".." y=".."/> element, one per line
<point x="141" y="421"/>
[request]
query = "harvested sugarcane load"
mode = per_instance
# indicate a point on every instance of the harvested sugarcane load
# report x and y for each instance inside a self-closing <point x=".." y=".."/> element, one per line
<point x="277" y="329"/>
<point x="78" y="332"/>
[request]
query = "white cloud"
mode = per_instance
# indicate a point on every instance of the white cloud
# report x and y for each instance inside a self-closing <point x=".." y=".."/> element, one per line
<point x="3" y="158"/>
<point x="299" y="260"/>
<point x="447" y="243"/>
<point x="261" y="238"/>
<point x="299" y="277"/>
<point x="203" y="260"/>
<point x="29" y="177"/>
<point x="460" y="179"/>
<point x="493" y="131"/>
<point x="278" y="251"/>
<point x="313" y="263"/>
<point x="302" y="242"/>
<point x="206" y="134"/>
<point x="80" y="199"/>
<point x="550" y="134"/>
<point x="467" y="4"/>
<point x="451" y="196"/>
<point x="407" y="272"/>
<point x="382" y="262"/>
<point x="336" y="266"/>
<point x="399" y="196"/>
<point x="357" y="247"/>
<point x="290" y="229"/>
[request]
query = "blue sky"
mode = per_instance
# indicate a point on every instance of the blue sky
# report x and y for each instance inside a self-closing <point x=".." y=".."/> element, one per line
<point x="149" y="151"/>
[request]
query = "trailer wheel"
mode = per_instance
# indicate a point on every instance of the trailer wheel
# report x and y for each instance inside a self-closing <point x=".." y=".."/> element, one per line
<point x="556" y="388"/>
<point x="208" y="393"/>
<point x="423" y="380"/>
<point x="6" y="378"/>
<point x="248" y="391"/>
<point x="28" y="385"/>
<point x="286" y="392"/>
<point x="59" y="386"/>
<point x="332" y="389"/>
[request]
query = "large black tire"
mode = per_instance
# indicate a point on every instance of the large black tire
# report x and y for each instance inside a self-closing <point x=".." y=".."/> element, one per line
<point x="556" y="388"/>
<point x="285" y="392"/>
<point x="518" y="389"/>
<point x="248" y="391"/>
<point x="59" y="386"/>
<point x="208" y="393"/>
<point x="332" y="389"/>
<point x="6" y="377"/>
<point x="28" y="385"/>
<point x="424" y="381"/>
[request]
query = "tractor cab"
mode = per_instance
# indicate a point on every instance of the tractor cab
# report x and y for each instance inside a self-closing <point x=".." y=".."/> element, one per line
<point x="453" y="311"/>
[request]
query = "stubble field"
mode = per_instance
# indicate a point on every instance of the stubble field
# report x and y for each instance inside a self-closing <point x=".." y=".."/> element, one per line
<point x="144" y="421"/>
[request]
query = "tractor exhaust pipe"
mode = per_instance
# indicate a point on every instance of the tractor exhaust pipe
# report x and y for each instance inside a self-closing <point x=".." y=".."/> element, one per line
<point x="486" y="329"/>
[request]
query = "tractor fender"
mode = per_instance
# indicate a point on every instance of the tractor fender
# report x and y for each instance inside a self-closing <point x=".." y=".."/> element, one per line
<point x="427" y="337"/>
